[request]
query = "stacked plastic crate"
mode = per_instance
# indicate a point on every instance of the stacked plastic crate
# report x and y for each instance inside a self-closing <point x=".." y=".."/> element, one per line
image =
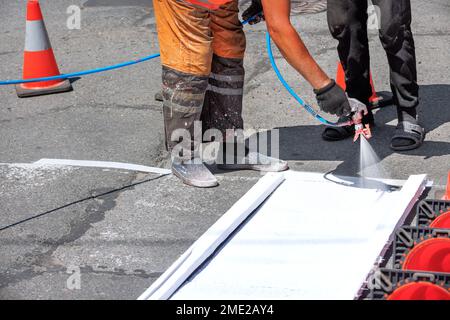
<point x="419" y="263"/>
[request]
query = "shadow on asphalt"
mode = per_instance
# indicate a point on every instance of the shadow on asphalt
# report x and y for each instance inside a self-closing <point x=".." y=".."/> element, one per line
<point x="305" y="143"/>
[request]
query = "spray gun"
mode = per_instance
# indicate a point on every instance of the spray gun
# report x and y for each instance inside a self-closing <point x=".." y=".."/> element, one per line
<point x="359" y="110"/>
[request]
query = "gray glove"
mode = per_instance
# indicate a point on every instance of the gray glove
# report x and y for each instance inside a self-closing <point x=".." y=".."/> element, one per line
<point x="255" y="8"/>
<point x="332" y="99"/>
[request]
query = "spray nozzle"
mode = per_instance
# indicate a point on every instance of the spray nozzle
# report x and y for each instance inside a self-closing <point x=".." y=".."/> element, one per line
<point x="359" y="110"/>
<point x="361" y="130"/>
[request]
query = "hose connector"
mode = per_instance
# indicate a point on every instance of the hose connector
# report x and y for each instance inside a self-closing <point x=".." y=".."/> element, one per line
<point x="359" y="110"/>
<point x="361" y="130"/>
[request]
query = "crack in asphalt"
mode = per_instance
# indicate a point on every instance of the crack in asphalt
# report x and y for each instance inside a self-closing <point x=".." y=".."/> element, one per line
<point x="96" y="212"/>
<point x="38" y="263"/>
<point x="77" y="230"/>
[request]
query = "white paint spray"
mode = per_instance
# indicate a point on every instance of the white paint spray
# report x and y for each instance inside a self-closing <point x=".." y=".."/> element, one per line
<point x="370" y="164"/>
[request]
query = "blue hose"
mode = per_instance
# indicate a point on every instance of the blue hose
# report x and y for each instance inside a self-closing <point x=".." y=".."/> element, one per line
<point x="306" y="106"/>
<point x="81" y="73"/>
<point x="98" y="70"/>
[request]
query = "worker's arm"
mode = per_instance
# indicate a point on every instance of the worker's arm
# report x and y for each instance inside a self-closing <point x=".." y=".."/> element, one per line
<point x="331" y="97"/>
<point x="277" y="14"/>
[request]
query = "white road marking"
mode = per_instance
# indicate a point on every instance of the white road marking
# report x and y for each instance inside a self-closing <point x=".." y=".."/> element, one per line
<point x="102" y="164"/>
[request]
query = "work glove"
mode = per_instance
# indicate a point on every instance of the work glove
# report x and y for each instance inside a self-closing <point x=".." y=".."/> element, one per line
<point x="359" y="110"/>
<point x="332" y="99"/>
<point x="255" y="8"/>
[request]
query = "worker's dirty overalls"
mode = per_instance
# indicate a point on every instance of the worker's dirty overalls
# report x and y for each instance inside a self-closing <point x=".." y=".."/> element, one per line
<point x="202" y="50"/>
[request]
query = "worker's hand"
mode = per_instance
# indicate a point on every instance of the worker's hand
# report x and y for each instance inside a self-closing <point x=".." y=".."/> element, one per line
<point x="255" y="8"/>
<point x="332" y="99"/>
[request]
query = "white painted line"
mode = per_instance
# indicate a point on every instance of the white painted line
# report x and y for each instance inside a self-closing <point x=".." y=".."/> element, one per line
<point x="102" y="164"/>
<point x="205" y="246"/>
<point x="285" y="250"/>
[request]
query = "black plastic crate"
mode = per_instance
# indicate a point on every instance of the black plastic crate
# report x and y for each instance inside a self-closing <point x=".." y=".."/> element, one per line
<point x="385" y="281"/>
<point x="429" y="210"/>
<point x="407" y="237"/>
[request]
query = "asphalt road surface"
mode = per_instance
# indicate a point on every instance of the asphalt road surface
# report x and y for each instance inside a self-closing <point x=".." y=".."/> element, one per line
<point x="120" y="230"/>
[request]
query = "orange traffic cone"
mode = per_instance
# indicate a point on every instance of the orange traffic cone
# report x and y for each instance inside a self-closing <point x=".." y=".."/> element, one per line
<point x="375" y="100"/>
<point x="340" y="76"/>
<point x="39" y="59"/>
<point x="447" y="192"/>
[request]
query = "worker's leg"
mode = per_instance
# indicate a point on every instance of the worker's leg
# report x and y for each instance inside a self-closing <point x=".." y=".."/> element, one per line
<point x="398" y="42"/>
<point x="223" y="104"/>
<point x="185" y="45"/>
<point x="347" y="21"/>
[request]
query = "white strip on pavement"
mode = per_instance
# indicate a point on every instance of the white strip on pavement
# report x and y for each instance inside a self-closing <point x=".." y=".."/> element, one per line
<point x="102" y="164"/>
<point x="205" y="246"/>
<point x="311" y="239"/>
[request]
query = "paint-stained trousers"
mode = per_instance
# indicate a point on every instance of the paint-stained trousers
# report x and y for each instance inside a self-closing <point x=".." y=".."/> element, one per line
<point x="202" y="55"/>
<point x="347" y="20"/>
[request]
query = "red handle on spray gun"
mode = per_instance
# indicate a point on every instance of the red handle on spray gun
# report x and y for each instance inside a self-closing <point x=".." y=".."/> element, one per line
<point x="359" y="110"/>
